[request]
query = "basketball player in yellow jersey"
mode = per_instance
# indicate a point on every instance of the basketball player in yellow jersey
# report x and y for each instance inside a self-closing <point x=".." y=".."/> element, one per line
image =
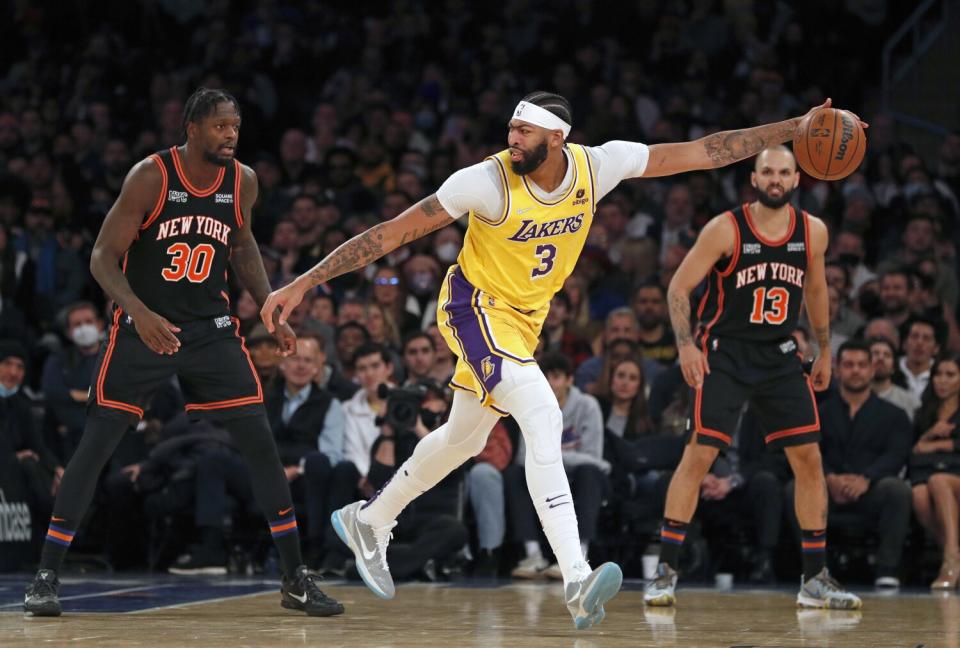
<point x="529" y="209"/>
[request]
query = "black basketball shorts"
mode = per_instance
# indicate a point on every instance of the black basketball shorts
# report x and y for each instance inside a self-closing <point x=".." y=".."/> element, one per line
<point x="767" y="375"/>
<point x="214" y="369"/>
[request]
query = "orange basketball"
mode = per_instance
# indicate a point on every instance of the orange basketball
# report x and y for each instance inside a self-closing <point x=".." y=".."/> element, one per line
<point x="829" y="144"/>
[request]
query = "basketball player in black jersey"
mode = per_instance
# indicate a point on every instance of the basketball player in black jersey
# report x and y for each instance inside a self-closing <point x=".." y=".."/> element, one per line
<point x="182" y="215"/>
<point x="763" y="259"/>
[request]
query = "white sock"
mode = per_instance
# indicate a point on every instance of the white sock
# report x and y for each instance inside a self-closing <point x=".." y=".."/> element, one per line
<point x="463" y="436"/>
<point x="533" y="549"/>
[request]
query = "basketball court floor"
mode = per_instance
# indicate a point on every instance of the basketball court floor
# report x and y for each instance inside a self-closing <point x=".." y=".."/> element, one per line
<point x="169" y="611"/>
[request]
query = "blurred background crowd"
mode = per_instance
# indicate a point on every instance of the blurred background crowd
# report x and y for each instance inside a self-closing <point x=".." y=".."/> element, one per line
<point x="353" y="112"/>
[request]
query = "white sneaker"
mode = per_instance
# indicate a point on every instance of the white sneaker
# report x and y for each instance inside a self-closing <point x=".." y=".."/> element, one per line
<point x="660" y="591"/>
<point x="530" y="568"/>
<point x="823" y="591"/>
<point x="585" y="598"/>
<point x="369" y="547"/>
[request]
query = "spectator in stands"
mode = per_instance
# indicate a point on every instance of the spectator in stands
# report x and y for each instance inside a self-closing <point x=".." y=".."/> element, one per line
<point x="881" y="328"/>
<point x="844" y="320"/>
<point x="419" y="357"/>
<point x="884" y="358"/>
<point x="621" y="324"/>
<point x="56" y="275"/>
<point x="920" y="347"/>
<point x="22" y="451"/>
<point x="894" y="293"/>
<point x="849" y="251"/>
<point x="655" y="337"/>
<point x="935" y="466"/>
<point x="865" y="445"/>
<point x="382" y="327"/>
<point x="389" y="292"/>
<point x="557" y="336"/>
<point x="350" y="337"/>
<point x="422" y="276"/>
<point x="582" y="452"/>
<point x="919" y="237"/>
<point x="67" y="375"/>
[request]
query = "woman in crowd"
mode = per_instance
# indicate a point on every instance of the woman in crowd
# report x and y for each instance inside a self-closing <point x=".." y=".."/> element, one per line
<point x="935" y="466"/>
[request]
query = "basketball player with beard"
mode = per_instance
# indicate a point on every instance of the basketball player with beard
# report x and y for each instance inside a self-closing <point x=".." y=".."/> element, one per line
<point x="763" y="259"/>
<point x="529" y="208"/>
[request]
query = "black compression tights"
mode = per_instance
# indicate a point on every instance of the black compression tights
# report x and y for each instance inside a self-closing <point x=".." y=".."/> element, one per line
<point x="252" y="437"/>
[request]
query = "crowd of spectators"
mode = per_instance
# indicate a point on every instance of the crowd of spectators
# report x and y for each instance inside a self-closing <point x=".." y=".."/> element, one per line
<point x="353" y="113"/>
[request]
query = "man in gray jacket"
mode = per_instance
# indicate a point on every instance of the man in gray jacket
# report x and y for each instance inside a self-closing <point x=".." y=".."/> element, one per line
<point x="582" y="451"/>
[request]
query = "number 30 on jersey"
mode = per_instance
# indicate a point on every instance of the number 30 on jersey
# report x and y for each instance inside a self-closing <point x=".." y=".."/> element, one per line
<point x="193" y="263"/>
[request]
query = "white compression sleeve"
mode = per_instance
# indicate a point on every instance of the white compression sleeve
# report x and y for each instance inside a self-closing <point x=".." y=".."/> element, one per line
<point x="526" y="394"/>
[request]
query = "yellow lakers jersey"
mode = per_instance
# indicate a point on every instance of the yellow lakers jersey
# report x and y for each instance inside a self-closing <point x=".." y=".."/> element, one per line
<point x="524" y="256"/>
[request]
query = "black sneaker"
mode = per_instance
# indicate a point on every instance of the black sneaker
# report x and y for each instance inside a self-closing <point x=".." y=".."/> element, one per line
<point x="41" y="596"/>
<point x="302" y="593"/>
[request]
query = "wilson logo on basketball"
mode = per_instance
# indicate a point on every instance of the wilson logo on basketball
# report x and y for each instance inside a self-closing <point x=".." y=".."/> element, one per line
<point x="846" y="136"/>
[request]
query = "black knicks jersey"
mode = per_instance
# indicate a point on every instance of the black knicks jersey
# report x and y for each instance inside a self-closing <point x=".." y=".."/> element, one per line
<point x="178" y="264"/>
<point x="757" y="293"/>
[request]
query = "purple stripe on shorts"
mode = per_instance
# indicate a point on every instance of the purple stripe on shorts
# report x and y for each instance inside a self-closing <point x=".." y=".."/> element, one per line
<point x="466" y="328"/>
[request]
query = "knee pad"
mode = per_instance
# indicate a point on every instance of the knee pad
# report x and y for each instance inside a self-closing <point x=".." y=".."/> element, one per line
<point x="526" y="394"/>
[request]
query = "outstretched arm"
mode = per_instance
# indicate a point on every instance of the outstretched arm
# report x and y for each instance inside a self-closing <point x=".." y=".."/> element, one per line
<point x="720" y="149"/>
<point x="423" y="218"/>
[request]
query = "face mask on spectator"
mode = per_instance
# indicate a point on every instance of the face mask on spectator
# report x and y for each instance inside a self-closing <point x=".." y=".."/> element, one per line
<point x="85" y="335"/>
<point x="7" y="392"/>
<point x="447" y="252"/>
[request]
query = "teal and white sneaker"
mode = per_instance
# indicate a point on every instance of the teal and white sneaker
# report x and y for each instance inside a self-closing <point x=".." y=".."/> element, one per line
<point x="585" y="598"/>
<point x="823" y="591"/>
<point x="660" y="591"/>
<point x="369" y="547"/>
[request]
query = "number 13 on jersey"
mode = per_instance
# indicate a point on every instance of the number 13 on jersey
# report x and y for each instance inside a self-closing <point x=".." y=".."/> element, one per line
<point x="777" y="299"/>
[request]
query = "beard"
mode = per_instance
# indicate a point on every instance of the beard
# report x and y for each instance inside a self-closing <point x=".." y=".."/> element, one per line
<point x="774" y="203"/>
<point x="856" y="388"/>
<point x="214" y="158"/>
<point x="531" y="161"/>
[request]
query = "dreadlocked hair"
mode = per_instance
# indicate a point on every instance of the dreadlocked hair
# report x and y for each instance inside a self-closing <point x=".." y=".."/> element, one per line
<point x="203" y="102"/>
<point x="553" y="103"/>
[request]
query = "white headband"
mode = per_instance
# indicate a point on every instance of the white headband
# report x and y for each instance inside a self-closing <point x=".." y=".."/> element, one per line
<point x="534" y="114"/>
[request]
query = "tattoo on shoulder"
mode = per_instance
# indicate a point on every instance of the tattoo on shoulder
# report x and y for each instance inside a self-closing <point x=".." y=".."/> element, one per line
<point x="431" y="206"/>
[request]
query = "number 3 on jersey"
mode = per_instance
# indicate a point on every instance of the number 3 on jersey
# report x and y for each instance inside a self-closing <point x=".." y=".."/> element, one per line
<point x="776" y="313"/>
<point x="192" y="263"/>
<point x="546" y="254"/>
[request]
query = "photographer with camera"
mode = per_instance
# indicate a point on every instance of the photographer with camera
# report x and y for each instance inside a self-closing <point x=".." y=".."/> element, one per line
<point x="429" y="529"/>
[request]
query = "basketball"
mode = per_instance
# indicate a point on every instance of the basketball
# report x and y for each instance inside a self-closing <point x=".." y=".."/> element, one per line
<point x="829" y="144"/>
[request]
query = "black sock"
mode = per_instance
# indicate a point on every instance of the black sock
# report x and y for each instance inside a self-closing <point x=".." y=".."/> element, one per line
<point x="254" y="439"/>
<point x="814" y="548"/>
<point x="672" y="535"/>
<point x="100" y="438"/>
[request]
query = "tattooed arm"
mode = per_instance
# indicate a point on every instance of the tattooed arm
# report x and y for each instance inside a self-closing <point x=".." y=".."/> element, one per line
<point x="423" y="218"/>
<point x="715" y="242"/>
<point x="719" y="149"/>
<point x="818" y="300"/>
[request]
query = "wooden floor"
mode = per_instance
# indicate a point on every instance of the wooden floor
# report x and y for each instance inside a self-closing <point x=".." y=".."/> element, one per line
<point x="522" y="616"/>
